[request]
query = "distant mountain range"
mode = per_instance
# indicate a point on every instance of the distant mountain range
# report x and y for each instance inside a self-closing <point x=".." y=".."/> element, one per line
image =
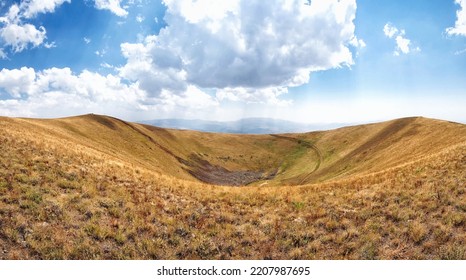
<point x="243" y="126"/>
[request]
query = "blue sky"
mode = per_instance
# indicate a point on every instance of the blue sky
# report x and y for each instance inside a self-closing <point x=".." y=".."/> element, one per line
<point x="330" y="61"/>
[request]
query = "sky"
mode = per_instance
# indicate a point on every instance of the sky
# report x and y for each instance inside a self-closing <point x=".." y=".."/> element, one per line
<point x="318" y="61"/>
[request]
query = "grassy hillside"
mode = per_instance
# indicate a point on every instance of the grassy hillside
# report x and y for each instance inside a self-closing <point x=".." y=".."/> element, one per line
<point x="374" y="147"/>
<point x="94" y="187"/>
<point x="181" y="154"/>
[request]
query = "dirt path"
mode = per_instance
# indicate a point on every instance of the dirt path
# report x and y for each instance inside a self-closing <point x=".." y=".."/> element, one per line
<point x="308" y="145"/>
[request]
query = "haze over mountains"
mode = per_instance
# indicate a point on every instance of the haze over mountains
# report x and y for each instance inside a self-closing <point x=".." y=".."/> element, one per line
<point x="243" y="126"/>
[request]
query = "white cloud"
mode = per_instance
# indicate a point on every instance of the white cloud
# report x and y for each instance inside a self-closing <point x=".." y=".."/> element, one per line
<point x="50" y="45"/>
<point x="140" y="18"/>
<point x="59" y="92"/>
<point x="460" y="24"/>
<point x="209" y="52"/>
<point x="87" y="40"/>
<point x="33" y="7"/>
<point x="192" y="98"/>
<point x="16" y="34"/>
<point x="357" y="43"/>
<point x="113" y="6"/>
<point x="389" y="30"/>
<point x="243" y="45"/>
<point x="106" y="65"/>
<point x="101" y="53"/>
<point x="17" y="81"/>
<point x="28" y="82"/>
<point x="196" y="11"/>
<point x="269" y="96"/>
<point x="403" y="44"/>
<point x="152" y="67"/>
<point x="12" y="16"/>
<point x="19" y="37"/>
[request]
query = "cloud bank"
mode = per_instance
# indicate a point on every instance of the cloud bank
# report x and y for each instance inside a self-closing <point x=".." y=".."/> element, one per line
<point x="209" y="52"/>
<point x="242" y="49"/>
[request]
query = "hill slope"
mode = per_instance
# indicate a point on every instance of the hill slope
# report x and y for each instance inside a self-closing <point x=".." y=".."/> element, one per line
<point x="229" y="159"/>
<point x="97" y="187"/>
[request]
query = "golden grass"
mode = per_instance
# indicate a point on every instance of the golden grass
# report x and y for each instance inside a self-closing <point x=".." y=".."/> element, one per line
<point x="65" y="197"/>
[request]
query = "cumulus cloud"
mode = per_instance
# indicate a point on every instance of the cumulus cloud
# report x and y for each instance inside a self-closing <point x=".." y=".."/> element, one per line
<point x="243" y="47"/>
<point x="192" y="98"/>
<point x="17" y="81"/>
<point x="209" y="52"/>
<point x="113" y="6"/>
<point x="12" y="16"/>
<point x="358" y="43"/>
<point x="26" y="81"/>
<point x="59" y="91"/>
<point x="403" y="44"/>
<point x="460" y="24"/>
<point x="153" y="67"/>
<point x="389" y="30"/>
<point x="33" y="7"/>
<point x="18" y="35"/>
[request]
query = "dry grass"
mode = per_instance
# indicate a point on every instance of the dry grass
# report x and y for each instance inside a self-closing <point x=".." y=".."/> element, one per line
<point x="65" y="197"/>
